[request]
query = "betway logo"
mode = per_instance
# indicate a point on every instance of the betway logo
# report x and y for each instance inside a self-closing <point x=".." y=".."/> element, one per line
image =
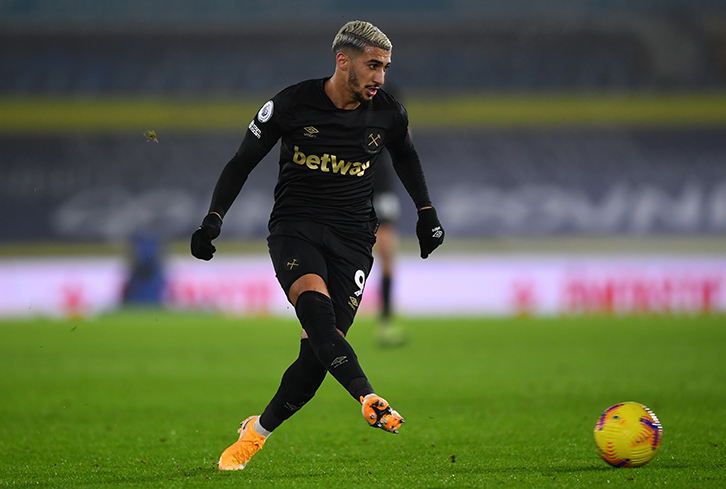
<point x="329" y="163"/>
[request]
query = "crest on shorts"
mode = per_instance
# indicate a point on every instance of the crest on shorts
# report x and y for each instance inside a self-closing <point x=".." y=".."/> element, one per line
<point x="292" y="264"/>
<point x="374" y="140"/>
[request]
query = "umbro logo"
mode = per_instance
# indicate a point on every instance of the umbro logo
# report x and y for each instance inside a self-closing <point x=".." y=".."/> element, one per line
<point x="310" y="131"/>
<point x="338" y="361"/>
<point x="291" y="407"/>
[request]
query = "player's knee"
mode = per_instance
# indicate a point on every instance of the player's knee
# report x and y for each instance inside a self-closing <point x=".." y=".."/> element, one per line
<point x="306" y="283"/>
<point x="316" y="314"/>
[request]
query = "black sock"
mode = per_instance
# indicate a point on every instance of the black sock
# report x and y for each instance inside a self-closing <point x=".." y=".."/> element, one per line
<point x="386" y="297"/>
<point x="317" y="316"/>
<point x="299" y="384"/>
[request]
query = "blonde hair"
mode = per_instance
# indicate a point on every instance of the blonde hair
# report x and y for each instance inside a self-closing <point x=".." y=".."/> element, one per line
<point x="356" y="35"/>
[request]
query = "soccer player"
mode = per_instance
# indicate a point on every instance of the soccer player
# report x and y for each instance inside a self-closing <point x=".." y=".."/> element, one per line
<point x="322" y="226"/>
<point x="388" y="210"/>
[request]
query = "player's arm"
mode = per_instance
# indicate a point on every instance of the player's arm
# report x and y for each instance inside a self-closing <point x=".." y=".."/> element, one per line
<point x="234" y="175"/>
<point x="408" y="167"/>
<point x="409" y="170"/>
<point x="255" y="145"/>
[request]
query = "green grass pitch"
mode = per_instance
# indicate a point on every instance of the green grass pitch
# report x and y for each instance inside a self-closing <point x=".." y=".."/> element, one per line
<point x="151" y="398"/>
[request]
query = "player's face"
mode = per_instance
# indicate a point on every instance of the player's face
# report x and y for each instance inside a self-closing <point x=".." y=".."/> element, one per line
<point x="368" y="72"/>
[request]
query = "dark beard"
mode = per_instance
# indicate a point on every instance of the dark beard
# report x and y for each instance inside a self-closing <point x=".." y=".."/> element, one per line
<point x="353" y="82"/>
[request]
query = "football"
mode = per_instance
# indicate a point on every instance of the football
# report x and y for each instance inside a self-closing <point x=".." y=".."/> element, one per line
<point x="628" y="435"/>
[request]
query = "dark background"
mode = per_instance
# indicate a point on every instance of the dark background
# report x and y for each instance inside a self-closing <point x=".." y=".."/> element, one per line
<point x="590" y="179"/>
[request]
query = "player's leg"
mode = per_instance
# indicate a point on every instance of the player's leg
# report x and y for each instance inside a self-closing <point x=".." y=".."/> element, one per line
<point x="349" y="264"/>
<point x="300" y="269"/>
<point x="291" y="257"/>
<point x="306" y="374"/>
<point x="388" y="333"/>
<point x="385" y="246"/>
<point x="388" y="210"/>
<point x="299" y="384"/>
<point x="303" y="378"/>
<point x="299" y="266"/>
<point x="316" y="313"/>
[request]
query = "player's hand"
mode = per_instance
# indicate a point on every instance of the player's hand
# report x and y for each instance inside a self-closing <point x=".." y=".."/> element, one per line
<point x="202" y="246"/>
<point x="429" y="231"/>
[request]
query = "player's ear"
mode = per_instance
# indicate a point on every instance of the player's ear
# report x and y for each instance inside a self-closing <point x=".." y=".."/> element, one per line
<point x="342" y="60"/>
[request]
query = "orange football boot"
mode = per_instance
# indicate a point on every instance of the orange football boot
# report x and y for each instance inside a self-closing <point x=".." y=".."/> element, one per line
<point x="237" y="455"/>
<point x="378" y="413"/>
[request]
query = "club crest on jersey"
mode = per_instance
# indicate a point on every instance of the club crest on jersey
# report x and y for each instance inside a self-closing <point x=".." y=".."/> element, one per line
<point x="374" y="140"/>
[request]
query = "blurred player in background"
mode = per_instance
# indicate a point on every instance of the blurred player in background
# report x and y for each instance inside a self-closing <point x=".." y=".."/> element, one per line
<point x="388" y="210"/>
<point x="322" y="226"/>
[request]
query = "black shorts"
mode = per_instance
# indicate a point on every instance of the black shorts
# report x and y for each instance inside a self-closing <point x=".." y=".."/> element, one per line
<point x="344" y="264"/>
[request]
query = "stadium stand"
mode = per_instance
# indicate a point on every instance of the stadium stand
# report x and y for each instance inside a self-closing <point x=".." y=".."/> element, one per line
<point x="533" y="181"/>
<point x="190" y="47"/>
<point x="485" y="183"/>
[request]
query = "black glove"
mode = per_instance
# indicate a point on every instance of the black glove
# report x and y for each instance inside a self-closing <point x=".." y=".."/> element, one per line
<point x="202" y="246"/>
<point x="429" y="231"/>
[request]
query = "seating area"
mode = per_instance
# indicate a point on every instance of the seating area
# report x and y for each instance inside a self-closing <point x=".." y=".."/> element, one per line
<point x="221" y="47"/>
<point x="208" y="63"/>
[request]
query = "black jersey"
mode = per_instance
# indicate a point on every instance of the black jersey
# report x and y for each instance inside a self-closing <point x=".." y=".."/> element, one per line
<point x="327" y="157"/>
<point x="383" y="177"/>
